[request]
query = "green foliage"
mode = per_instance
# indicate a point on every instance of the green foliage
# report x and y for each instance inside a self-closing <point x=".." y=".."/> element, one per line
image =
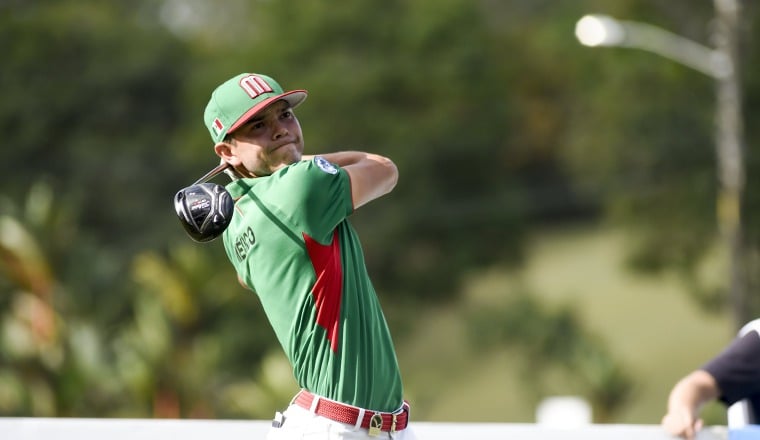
<point x="125" y="351"/>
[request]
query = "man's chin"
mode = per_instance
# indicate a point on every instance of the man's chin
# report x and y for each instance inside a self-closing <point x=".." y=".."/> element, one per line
<point x="290" y="153"/>
<point x="289" y="160"/>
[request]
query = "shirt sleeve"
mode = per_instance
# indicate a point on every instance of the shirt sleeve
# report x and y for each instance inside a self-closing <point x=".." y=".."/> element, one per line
<point x="737" y="369"/>
<point x="322" y="194"/>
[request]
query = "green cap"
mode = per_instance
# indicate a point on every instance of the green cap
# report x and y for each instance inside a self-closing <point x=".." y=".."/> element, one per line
<point x="239" y="98"/>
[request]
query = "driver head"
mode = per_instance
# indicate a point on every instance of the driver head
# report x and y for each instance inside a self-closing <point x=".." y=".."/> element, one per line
<point x="204" y="209"/>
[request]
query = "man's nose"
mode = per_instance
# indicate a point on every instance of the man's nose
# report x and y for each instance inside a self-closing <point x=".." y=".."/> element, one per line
<point x="279" y="130"/>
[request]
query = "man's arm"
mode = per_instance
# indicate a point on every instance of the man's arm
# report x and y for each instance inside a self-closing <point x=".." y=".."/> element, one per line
<point x="371" y="175"/>
<point x="685" y="402"/>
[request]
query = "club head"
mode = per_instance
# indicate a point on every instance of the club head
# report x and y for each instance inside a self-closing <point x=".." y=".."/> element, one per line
<point x="204" y="209"/>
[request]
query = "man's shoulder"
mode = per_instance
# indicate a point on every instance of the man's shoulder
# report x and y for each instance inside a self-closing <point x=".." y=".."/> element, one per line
<point x="314" y="164"/>
<point x="743" y="350"/>
<point x="310" y="170"/>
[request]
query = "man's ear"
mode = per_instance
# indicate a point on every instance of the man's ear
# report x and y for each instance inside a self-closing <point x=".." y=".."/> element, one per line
<point x="224" y="150"/>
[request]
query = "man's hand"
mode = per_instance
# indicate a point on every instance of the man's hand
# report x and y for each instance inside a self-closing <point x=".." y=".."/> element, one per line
<point x="682" y="423"/>
<point x="232" y="172"/>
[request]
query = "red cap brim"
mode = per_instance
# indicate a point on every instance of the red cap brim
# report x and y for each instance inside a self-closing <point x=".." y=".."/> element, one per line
<point x="294" y="98"/>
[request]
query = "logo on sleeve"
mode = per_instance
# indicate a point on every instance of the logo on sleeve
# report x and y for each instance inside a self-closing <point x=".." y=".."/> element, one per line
<point x="324" y="165"/>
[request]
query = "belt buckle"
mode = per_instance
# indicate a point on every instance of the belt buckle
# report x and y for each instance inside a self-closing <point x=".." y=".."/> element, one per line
<point x="393" y="423"/>
<point x="375" y="424"/>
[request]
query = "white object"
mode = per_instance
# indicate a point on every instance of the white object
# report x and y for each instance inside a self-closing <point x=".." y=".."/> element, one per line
<point x="564" y="412"/>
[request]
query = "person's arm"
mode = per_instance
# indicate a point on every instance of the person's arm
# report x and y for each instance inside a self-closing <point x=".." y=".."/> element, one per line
<point x="685" y="403"/>
<point x="371" y="175"/>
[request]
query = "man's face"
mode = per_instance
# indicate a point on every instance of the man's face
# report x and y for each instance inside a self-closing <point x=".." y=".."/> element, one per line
<point x="269" y="141"/>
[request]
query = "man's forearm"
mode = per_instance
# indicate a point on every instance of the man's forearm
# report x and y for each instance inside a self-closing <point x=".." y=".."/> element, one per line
<point x="693" y="391"/>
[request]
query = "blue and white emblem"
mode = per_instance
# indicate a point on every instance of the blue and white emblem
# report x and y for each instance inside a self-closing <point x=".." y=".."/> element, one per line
<point x="324" y="165"/>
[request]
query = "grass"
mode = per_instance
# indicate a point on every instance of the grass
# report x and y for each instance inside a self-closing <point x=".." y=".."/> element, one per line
<point x="648" y="323"/>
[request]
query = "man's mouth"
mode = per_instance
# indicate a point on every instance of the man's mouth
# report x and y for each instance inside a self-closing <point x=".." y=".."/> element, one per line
<point x="277" y="147"/>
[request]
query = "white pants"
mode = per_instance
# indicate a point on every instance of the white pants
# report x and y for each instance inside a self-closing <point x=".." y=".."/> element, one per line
<point x="302" y="424"/>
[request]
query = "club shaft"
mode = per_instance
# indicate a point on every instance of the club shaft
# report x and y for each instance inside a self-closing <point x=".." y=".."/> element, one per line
<point x="219" y="169"/>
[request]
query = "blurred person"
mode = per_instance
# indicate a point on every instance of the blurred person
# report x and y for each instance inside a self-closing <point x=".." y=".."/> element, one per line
<point x="291" y="243"/>
<point x="731" y="376"/>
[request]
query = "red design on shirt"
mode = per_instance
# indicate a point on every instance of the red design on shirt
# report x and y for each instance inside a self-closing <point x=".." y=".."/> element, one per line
<point x="329" y="285"/>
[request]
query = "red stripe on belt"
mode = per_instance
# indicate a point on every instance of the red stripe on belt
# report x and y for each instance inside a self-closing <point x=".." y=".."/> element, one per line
<point x="348" y="414"/>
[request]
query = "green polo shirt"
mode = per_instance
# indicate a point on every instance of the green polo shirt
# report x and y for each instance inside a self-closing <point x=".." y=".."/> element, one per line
<point x="290" y="241"/>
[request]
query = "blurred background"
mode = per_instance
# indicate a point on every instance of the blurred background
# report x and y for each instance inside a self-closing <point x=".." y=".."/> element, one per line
<point x="570" y="220"/>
